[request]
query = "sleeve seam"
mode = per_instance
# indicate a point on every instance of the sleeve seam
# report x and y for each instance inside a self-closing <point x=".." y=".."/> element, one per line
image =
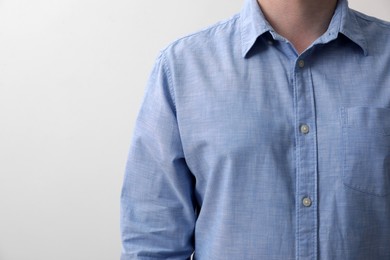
<point x="170" y="81"/>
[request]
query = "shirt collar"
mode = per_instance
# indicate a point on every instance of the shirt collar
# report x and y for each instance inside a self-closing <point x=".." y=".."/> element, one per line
<point x="254" y="24"/>
<point x="350" y="27"/>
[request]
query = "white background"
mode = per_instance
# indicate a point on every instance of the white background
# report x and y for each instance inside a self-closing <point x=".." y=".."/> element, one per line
<point x="72" y="77"/>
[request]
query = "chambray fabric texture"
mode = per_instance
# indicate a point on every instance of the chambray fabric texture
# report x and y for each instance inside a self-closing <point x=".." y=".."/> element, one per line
<point x="220" y="164"/>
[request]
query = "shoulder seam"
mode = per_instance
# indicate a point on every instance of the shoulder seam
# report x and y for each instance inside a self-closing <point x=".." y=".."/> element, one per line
<point x="368" y="18"/>
<point x="218" y="24"/>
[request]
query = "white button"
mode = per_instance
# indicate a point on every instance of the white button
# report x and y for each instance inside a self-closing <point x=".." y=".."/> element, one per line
<point x="304" y="129"/>
<point x="306" y="202"/>
<point x="301" y="63"/>
<point x="270" y="42"/>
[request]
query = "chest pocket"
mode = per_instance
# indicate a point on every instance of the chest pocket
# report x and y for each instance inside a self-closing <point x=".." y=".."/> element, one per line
<point x="366" y="149"/>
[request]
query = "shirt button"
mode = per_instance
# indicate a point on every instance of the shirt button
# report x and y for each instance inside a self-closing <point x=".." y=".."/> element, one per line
<point x="306" y="202"/>
<point x="301" y="63"/>
<point x="304" y="129"/>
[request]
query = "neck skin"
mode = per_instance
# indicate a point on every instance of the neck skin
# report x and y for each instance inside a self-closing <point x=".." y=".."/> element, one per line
<point x="301" y="22"/>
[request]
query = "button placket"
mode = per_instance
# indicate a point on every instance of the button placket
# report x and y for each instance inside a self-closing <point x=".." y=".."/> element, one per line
<point x="306" y="160"/>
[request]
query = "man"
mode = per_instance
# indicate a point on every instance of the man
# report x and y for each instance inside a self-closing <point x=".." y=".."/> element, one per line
<point x="266" y="136"/>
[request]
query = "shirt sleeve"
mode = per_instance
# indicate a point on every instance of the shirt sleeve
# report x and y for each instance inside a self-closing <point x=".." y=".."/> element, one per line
<point x="157" y="202"/>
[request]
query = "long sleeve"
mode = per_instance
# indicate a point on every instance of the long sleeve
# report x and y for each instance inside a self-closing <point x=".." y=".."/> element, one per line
<point x="157" y="201"/>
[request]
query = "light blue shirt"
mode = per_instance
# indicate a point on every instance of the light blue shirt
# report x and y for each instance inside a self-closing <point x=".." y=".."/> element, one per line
<point x="244" y="149"/>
